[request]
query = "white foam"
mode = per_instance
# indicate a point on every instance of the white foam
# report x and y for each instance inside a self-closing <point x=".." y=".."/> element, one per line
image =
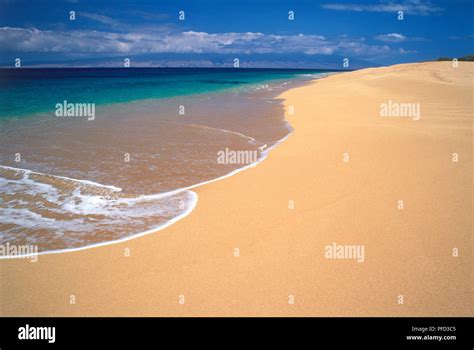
<point x="314" y="75"/>
<point x="185" y="213"/>
<point x="79" y="207"/>
<point x="192" y="201"/>
<point x="251" y="139"/>
<point x="87" y="182"/>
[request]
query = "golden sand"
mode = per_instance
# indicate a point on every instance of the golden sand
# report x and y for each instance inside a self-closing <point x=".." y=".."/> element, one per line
<point x="279" y="267"/>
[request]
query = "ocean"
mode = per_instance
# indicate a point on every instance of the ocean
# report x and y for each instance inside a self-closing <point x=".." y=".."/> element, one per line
<point x="72" y="181"/>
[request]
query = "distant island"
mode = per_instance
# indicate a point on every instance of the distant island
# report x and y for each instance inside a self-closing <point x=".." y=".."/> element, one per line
<point x="465" y="58"/>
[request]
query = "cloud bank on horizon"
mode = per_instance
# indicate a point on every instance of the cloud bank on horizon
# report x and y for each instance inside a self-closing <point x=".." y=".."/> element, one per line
<point x="211" y="33"/>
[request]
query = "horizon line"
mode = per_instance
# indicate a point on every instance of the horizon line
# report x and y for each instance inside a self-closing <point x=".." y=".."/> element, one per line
<point x="159" y="67"/>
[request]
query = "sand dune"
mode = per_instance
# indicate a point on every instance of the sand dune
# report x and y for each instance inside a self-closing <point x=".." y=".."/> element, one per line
<point x="282" y="215"/>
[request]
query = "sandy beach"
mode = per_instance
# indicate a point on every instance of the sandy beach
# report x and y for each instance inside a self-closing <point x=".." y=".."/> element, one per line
<point x="400" y="186"/>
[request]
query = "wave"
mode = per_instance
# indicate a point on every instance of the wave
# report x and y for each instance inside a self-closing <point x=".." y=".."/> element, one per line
<point x="313" y="75"/>
<point x="73" y="208"/>
<point x="251" y="139"/>
<point x="60" y="212"/>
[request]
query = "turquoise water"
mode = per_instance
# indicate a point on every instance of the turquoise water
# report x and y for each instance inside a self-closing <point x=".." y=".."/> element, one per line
<point x="31" y="91"/>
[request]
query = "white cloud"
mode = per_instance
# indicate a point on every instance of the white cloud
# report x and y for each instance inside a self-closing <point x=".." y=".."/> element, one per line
<point x="98" y="18"/>
<point x="88" y="41"/>
<point x="391" y="38"/>
<point x="402" y="51"/>
<point x="413" y="7"/>
<point x="358" y="48"/>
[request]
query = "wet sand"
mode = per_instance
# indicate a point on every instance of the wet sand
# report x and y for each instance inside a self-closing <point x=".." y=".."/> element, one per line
<point x="115" y="177"/>
<point x="247" y="250"/>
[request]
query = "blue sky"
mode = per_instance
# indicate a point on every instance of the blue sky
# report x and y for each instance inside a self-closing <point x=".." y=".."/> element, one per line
<point x="257" y="32"/>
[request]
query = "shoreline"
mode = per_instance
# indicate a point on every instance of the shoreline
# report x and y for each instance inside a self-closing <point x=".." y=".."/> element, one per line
<point x="263" y="150"/>
<point x="243" y="251"/>
<point x="157" y="195"/>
